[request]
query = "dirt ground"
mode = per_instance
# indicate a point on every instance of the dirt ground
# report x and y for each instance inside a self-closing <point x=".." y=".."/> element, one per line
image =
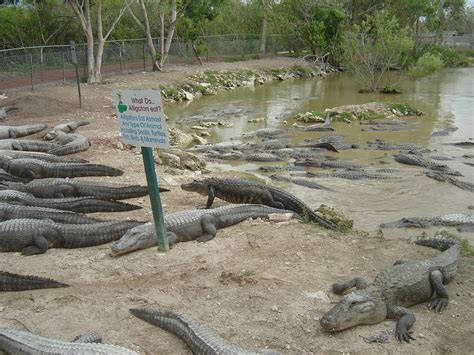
<point x="258" y="284"/>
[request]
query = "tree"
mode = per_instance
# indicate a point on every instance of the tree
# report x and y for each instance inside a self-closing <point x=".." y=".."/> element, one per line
<point x="82" y="9"/>
<point x="373" y="47"/>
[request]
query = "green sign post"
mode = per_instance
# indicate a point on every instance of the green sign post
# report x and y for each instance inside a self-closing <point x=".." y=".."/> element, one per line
<point x="142" y="124"/>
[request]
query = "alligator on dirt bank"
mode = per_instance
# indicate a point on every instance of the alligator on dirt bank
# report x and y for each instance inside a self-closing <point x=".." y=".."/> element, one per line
<point x="14" y="341"/>
<point x="245" y="191"/>
<point x="187" y="225"/>
<point x="198" y="337"/>
<point x="21" y="131"/>
<point x="15" y="282"/>
<point x="36" y="236"/>
<point x="450" y="220"/>
<point x="404" y="284"/>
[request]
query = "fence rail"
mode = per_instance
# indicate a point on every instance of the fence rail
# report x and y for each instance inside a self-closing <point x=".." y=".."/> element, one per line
<point x="31" y="66"/>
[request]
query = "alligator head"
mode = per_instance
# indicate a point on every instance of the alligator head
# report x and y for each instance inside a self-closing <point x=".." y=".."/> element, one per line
<point x="140" y="237"/>
<point x="199" y="186"/>
<point x="358" y="307"/>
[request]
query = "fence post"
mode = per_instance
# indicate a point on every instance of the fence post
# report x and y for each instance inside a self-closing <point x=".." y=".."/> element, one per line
<point x="41" y="65"/>
<point x="31" y="71"/>
<point x="144" y="59"/>
<point x="121" y="59"/>
<point x="64" y="71"/>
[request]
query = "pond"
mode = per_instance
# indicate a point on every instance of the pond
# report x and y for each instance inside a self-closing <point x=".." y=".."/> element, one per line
<point x="447" y="98"/>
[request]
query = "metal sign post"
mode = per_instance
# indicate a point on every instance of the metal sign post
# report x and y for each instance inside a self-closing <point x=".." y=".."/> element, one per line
<point x="74" y="61"/>
<point x="142" y="123"/>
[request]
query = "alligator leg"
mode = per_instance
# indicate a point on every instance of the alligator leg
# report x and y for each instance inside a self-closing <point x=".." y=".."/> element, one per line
<point x="62" y="191"/>
<point x="406" y="319"/>
<point x="210" y="197"/>
<point x="400" y="262"/>
<point x="208" y="224"/>
<point x="357" y="282"/>
<point x="267" y="199"/>
<point x="441" y="296"/>
<point x="172" y="238"/>
<point x="90" y="336"/>
<point x="40" y="242"/>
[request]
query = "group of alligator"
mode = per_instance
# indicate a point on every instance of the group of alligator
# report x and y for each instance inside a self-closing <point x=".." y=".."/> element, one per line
<point x="40" y="201"/>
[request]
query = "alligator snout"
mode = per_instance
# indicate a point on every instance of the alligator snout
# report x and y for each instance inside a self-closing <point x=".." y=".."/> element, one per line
<point x="328" y="323"/>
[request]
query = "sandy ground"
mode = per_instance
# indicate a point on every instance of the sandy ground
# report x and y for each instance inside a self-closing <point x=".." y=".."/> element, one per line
<point x="258" y="284"/>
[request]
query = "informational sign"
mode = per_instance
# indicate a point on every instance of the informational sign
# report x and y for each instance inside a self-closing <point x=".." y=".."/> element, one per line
<point x="141" y="118"/>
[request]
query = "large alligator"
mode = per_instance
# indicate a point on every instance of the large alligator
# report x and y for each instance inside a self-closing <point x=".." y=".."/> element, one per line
<point x="418" y="160"/>
<point x="8" y="211"/>
<point x="68" y="127"/>
<point x="301" y="182"/>
<point x="69" y="143"/>
<point x="350" y="174"/>
<point x="451" y="220"/>
<point x="4" y="110"/>
<point x="74" y="204"/>
<point x="15" y="282"/>
<point x="404" y="284"/>
<point x="246" y="191"/>
<point x="21" y="131"/>
<point x="4" y="176"/>
<point x="261" y="156"/>
<point x="24" y="144"/>
<point x="331" y="164"/>
<point x="37" y="169"/>
<point x="59" y="188"/>
<point x="36" y="236"/>
<point x="468" y="186"/>
<point x="18" y="154"/>
<point x="197" y="336"/>
<point x="14" y="341"/>
<point x="188" y="225"/>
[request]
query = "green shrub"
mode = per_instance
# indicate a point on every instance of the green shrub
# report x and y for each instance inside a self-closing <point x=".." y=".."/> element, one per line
<point x="303" y="71"/>
<point x="469" y="53"/>
<point x="450" y="57"/>
<point x="426" y="65"/>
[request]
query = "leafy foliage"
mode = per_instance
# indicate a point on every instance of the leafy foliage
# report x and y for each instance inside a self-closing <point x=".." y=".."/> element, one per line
<point x="449" y="56"/>
<point x="426" y="65"/>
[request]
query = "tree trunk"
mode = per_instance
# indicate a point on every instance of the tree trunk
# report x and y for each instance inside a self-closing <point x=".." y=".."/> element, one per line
<point x="169" y="38"/>
<point x="149" y="39"/>
<point x="196" y="53"/>
<point x="162" y="30"/>
<point x="264" y="29"/>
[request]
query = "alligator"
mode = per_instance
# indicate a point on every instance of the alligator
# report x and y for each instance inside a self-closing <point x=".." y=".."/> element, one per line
<point x="266" y="157"/>
<point x="21" y="131"/>
<point x="75" y="204"/>
<point x="8" y="211"/>
<point x="467" y="144"/>
<point x="188" y="225"/>
<point x="36" y="236"/>
<point x="454" y="219"/>
<point x="60" y="188"/>
<point x="69" y="143"/>
<point x="331" y="164"/>
<point x="384" y="145"/>
<point x="350" y="174"/>
<point x="245" y="191"/>
<point x="4" y="176"/>
<point x="68" y="127"/>
<point x="4" y="110"/>
<point x="404" y="284"/>
<point x="14" y="341"/>
<point x="197" y="336"/>
<point x="24" y="144"/>
<point x="444" y="132"/>
<point x="415" y="159"/>
<point x="15" y="282"/>
<point x="37" y="169"/>
<point x="301" y="182"/>
<point x="18" y="154"/>
<point x="468" y="186"/>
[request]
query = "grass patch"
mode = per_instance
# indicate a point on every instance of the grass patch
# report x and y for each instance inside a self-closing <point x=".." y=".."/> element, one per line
<point x="302" y="71"/>
<point x="369" y="115"/>
<point x="405" y="109"/>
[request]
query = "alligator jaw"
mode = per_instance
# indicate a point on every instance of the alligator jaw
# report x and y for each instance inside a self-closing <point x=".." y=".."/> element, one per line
<point x="140" y="237"/>
<point x="196" y="186"/>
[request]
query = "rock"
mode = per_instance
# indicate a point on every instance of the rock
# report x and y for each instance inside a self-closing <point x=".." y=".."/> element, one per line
<point x="199" y="128"/>
<point x="178" y="138"/>
<point x="198" y="139"/>
<point x="178" y="159"/>
<point x="256" y="120"/>
<point x="205" y="134"/>
<point x="280" y="217"/>
<point x="187" y="95"/>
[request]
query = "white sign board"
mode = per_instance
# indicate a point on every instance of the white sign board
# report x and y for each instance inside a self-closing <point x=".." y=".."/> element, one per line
<point x="141" y="117"/>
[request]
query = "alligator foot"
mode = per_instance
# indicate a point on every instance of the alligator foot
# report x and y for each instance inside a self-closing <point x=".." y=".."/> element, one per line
<point x="403" y="333"/>
<point x="439" y="304"/>
<point x="357" y="282"/>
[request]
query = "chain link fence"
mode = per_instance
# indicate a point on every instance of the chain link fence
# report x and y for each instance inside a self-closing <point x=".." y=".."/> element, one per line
<point x="32" y="66"/>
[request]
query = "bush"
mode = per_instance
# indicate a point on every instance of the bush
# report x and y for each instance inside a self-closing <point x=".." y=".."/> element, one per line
<point x="426" y="65"/>
<point x="450" y="57"/>
<point x="469" y="53"/>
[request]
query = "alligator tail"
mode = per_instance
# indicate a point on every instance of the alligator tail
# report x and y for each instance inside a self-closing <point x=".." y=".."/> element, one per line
<point x="14" y="282"/>
<point x="440" y="244"/>
<point x="83" y="123"/>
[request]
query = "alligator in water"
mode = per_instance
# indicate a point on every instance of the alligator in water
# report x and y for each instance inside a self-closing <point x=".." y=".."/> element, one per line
<point x="331" y="164"/>
<point x="69" y="143"/>
<point x="38" y="169"/>
<point x="415" y="159"/>
<point x="266" y="157"/>
<point x="4" y="110"/>
<point x="301" y="182"/>
<point x="451" y="220"/>
<point x="468" y="186"/>
<point x="35" y="236"/>
<point x="404" y="284"/>
<point x="8" y="211"/>
<point x="75" y="204"/>
<point x="68" y="127"/>
<point x="197" y="336"/>
<point x="187" y="225"/>
<point x="350" y="174"/>
<point x="15" y="282"/>
<point x="14" y="341"/>
<point x="246" y="191"/>
<point x="59" y="188"/>
<point x="467" y="144"/>
<point x="21" y="131"/>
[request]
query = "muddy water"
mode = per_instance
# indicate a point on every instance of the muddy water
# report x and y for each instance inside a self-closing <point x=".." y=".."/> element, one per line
<point x="447" y="99"/>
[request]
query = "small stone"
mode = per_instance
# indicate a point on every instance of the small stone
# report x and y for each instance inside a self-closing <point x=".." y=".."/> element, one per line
<point x="280" y="217"/>
<point x="274" y="309"/>
<point x="471" y="294"/>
